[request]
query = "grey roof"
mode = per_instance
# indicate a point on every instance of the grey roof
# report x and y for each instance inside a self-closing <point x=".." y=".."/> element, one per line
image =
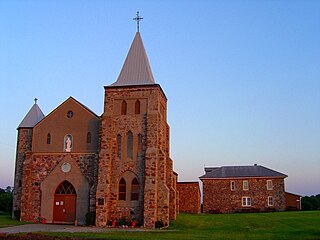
<point x="136" y="68"/>
<point x="32" y="118"/>
<point x="241" y="171"/>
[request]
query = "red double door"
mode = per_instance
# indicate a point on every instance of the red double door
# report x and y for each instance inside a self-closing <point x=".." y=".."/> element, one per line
<point x="65" y="202"/>
<point x="64" y="208"/>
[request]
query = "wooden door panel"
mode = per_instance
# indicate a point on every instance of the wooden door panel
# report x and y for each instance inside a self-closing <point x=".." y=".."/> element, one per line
<point x="64" y="208"/>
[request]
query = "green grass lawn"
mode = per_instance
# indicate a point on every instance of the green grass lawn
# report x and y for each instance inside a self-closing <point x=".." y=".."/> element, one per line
<point x="281" y="225"/>
<point x="6" y="220"/>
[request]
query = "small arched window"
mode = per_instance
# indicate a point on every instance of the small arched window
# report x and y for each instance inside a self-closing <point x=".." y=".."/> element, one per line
<point x="134" y="190"/>
<point x="137" y="107"/>
<point x="122" y="189"/>
<point x="119" y="146"/>
<point x="129" y="145"/>
<point x="123" y="108"/>
<point x="49" y="138"/>
<point x="89" y="137"/>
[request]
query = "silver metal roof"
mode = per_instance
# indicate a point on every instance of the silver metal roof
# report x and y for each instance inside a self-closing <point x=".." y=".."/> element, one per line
<point x="241" y="171"/>
<point x="136" y="68"/>
<point x="32" y="118"/>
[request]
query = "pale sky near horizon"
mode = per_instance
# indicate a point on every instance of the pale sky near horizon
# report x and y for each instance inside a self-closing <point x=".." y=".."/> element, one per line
<point x="242" y="78"/>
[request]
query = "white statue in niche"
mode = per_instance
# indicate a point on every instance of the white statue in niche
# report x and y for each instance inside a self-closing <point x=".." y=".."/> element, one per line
<point x="68" y="143"/>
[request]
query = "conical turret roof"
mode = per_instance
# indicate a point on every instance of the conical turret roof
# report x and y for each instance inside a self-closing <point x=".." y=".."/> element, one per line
<point x="136" y="68"/>
<point x="32" y="118"/>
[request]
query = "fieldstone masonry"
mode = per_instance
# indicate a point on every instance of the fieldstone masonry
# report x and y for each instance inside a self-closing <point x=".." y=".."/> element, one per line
<point x="151" y="165"/>
<point x="189" y="194"/>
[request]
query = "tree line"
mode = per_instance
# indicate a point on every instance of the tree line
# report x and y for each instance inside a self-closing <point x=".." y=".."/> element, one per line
<point x="6" y="198"/>
<point x="310" y="202"/>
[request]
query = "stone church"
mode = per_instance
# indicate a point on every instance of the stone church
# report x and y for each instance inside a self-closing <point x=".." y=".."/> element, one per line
<point x="117" y="165"/>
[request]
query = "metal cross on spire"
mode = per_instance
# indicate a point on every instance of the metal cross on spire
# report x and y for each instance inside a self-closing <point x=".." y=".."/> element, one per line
<point x="138" y="19"/>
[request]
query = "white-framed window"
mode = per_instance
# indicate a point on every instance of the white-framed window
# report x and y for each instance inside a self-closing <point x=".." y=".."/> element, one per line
<point x="270" y="201"/>
<point x="232" y="185"/>
<point x="245" y="185"/>
<point x="246" y="201"/>
<point x="269" y="185"/>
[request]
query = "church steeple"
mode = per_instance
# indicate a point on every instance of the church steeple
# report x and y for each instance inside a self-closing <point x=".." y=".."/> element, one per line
<point x="136" y="68"/>
<point x="33" y="116"/>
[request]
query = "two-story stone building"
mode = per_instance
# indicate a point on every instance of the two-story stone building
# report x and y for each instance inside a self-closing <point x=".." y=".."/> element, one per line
<point x="243" y="189"/>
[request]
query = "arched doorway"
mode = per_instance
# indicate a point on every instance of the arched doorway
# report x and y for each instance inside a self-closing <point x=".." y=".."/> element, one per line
<point x="65" y="199"/>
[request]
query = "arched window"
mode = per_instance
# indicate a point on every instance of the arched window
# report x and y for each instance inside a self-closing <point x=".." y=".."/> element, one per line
<point x="68" y="143"/>
<point x="129" y="145"/>
<point x="139" y="144"/>
<point x="137" y="107"/>
<point x="123" y="108"/>
<point x="65" y="188"/>
<point x="49" y="138"/>
<point x="134" y="190"/>
<point x="122" y="189"/>
<point x="89" y="137"/>
<point x="119" y="146"/>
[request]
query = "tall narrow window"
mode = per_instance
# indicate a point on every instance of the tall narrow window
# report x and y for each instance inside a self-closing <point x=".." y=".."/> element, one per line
<point x="119" y="146"/>
<point x="122" y="189"/>
<point x="89" y="137"/>
<point x="135" y="190"/>
<point x="139" y="152"/>
<point x="270" y="201"/>
<point x="123" y="108"/>
<point x="269" y="185"/>
<point x="49" y="138"/>
<point x="129" y="145"/>
<point x="232" y="185"/>
<point x="137" y="107"/>
<point x="245" y="185"/>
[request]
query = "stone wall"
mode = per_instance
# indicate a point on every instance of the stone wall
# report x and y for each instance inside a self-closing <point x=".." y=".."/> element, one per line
<point x="219" y="198"/>
<point x="293" y="202"/>
<point x="24" y="144"/>
<point x="37" y="167"/>
<point x="189" y="194"/>
<point x="152" y="166"/>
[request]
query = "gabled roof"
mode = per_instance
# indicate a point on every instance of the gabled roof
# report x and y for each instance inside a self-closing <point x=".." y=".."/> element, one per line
<point x="65" y="102"/>
<point x="32" y="118"/>
<point x="241" y="171"/>
<point x="136" y="68"/>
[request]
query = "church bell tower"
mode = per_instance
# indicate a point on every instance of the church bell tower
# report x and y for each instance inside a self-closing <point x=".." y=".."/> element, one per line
<point x="135" y="177"/>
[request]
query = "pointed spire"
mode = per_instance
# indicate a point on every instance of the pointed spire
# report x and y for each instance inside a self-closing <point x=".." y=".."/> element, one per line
<point x="136" y="68"/>
<point x="33" y="116"/>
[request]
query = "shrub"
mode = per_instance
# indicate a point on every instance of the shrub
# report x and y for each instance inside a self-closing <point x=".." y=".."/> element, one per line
<point x="16" y="214"/>
<point x="159" y="224"/>
<point x="123" y="222"/>
<point x="91" y="218"/>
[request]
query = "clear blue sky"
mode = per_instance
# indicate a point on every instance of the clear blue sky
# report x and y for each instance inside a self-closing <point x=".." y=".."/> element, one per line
<point x="242" y="77"/>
